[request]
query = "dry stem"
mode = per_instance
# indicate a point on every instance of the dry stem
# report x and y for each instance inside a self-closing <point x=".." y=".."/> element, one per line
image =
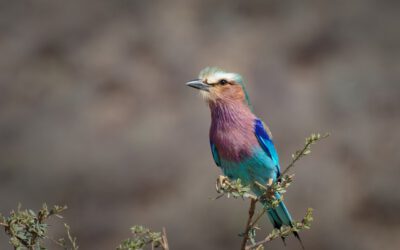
<point x="249" y="224"/>
<point x="259" y="243"/>
<point x="164" y="242"/>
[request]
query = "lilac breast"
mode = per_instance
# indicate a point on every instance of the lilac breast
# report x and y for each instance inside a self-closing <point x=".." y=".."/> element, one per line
<point x="232" y="131"/>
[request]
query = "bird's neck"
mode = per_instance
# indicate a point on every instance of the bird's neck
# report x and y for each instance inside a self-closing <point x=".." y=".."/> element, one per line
<point x="231" y="114"/>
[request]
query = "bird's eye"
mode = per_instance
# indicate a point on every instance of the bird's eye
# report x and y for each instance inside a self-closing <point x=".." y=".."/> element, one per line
<point x="223" y="82"/>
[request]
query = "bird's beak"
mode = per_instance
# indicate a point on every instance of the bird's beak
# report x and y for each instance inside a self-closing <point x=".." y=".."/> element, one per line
<point x="198" y="84"/>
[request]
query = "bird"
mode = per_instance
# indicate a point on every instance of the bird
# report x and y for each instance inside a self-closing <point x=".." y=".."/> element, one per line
<point x="241" y="143"/>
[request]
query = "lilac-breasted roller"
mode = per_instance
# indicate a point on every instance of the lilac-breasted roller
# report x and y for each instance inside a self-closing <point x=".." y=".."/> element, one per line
<point x="241" y="144"/>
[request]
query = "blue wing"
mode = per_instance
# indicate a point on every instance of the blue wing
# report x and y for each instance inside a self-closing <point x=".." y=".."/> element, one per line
<point x="215" y="154"/>
<point x="266" y="143"/>
<point x="280" y="215"/>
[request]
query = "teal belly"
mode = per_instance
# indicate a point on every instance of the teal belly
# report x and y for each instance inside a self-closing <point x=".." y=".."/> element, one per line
<point x="259" y="167"/>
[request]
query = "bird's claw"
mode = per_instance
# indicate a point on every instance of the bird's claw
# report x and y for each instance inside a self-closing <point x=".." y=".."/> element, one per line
<point x="221" y="183"/>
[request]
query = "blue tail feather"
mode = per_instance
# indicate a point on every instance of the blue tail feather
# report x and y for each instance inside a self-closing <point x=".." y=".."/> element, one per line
<point x="280" y="216"/>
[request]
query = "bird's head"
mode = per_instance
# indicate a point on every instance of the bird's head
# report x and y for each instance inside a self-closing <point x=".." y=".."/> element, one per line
<point x="218" y="85"/>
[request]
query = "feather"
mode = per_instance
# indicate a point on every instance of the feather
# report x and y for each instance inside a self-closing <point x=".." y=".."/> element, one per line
<point x="215" y="154"/>
<point x="266" y="143"/>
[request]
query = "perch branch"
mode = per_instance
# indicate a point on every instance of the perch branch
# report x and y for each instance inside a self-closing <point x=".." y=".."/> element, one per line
<point x="164" y="240"/>
<point x="253" y="203"/>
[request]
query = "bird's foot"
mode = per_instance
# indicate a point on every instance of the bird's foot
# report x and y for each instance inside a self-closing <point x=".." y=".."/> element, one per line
<point x="221" y="182"/>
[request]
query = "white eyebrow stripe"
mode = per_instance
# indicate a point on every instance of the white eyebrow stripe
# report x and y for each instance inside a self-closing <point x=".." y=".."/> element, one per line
<point x="220" y="75"/>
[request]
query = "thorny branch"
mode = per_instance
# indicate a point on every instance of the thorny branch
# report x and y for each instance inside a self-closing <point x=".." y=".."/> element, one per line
<point x="28" y="229"/>
<point x="143" y="237"/>
<point x="284" y="231"/>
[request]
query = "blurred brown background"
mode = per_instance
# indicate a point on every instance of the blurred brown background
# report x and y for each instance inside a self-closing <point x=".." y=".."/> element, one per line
<point x="94" y="114"/>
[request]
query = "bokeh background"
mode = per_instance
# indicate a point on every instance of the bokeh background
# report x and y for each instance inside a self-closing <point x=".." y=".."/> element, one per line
<point x="94" y="114"/>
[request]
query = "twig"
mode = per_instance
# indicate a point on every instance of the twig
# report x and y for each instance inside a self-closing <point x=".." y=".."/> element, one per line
<point x="304" y="151"/>
<point x="253" y="203"/>
<point x="165" y="239"/>
<point x="269" y="238"/>
<point x="284" y="231"/>
<point x="71" y="239"/>
<point x="258" y="217"/>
